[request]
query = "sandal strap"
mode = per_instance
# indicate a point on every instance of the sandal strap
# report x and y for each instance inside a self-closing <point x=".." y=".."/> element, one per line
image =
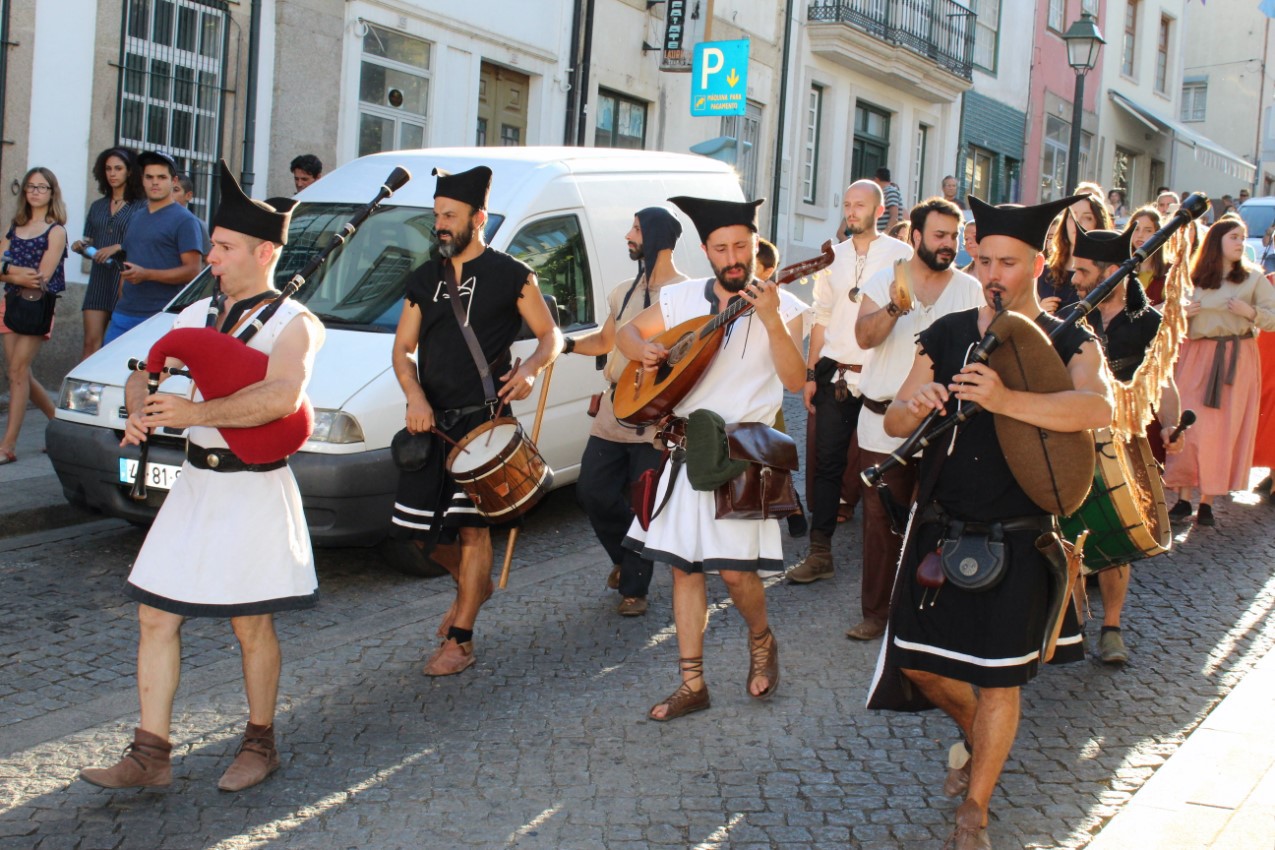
<point x="694" y="666"/>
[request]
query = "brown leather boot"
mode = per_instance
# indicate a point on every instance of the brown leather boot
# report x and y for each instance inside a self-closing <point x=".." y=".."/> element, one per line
<point x="818" y="561"/>
<point x="257" y="758"/>
<point x="146" y="764"/>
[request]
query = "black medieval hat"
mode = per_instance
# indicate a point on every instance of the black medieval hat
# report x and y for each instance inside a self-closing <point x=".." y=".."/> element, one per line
<point x="1112" y="248"/>
<point x="1026" y="224"/>
<point x="708" y="215"/>
<point x="470" y="187"/>
<point x="242" y="214"/>
<point x="282" y="204"/>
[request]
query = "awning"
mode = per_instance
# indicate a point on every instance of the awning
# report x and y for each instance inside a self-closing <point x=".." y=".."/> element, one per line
<point x="1206" y="150"/>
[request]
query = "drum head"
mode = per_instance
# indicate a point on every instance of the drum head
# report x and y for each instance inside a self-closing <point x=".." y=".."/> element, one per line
<point x="484" y="445"/>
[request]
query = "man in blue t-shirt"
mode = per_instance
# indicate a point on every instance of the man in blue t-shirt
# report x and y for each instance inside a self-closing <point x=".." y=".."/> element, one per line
<point x="164" y="248"/>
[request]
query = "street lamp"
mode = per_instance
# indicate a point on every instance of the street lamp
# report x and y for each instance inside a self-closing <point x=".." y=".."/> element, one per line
<point x="1083" y="43"/>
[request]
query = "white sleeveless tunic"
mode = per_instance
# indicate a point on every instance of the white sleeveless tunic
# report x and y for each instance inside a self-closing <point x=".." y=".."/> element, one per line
<point x="229" y="544"/>
<point x="740" y="385"/>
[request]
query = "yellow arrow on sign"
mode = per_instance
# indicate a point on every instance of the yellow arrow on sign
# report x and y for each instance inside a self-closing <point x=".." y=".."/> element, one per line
<point x="733" y="78"/>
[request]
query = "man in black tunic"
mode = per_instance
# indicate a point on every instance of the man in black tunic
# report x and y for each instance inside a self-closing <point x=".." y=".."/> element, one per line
<point x="1125" y="324"/>
<point x="968" y="652"/>
<point x="444" y="388"/>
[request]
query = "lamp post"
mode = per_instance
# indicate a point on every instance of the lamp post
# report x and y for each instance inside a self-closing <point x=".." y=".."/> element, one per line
<point x="1083" y="43"/>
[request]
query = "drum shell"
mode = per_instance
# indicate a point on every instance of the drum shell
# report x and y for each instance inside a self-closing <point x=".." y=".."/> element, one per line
<point x="1119" y="531"/>
<point x="510" y="481"/>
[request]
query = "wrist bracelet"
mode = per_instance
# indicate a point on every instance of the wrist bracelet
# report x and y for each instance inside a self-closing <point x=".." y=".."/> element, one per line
<point x="810" y="375"/>
<point x="892" y="309"/>
<point x="569" y="346"/>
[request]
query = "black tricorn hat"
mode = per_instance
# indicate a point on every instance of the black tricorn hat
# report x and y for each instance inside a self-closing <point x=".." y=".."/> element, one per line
<point x="242" y="214"/>
<point x="471" y="187"/>
<point x="1026" y="224"/>
<point x="1103" y="246"/>
<point x="707" y="215"/>
<point x="281" y="203"/>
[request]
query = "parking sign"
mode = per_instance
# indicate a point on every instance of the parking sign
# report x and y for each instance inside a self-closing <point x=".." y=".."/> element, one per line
<point x="719" y="78"/>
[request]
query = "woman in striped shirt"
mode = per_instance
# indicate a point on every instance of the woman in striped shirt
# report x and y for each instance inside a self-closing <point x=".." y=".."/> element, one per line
<point x="118" y="179"/>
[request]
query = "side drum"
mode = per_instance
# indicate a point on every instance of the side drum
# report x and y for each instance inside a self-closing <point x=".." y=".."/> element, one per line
<point x="1125" y="511"/>
<point x="500" y="469"/>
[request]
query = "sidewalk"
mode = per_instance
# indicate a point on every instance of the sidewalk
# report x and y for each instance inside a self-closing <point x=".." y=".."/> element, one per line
<point x="1217" y="790"/>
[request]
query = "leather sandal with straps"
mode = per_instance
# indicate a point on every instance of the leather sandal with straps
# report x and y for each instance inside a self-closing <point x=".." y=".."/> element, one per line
<point x="763" y="662"/>
<point x="685" y="700"/>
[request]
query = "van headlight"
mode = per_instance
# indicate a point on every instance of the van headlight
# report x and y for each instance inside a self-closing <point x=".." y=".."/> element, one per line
<point x="80" y="396"/>
<point x="336" y="426"/>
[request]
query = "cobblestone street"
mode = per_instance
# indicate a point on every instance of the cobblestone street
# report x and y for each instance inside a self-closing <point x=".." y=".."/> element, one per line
<point x="545" y="744"/>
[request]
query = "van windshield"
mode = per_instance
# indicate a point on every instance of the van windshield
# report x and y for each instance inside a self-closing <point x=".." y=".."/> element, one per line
<point x="362" y="282"/>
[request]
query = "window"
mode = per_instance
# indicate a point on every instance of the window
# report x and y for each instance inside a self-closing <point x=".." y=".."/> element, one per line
<point x="979" y="170"/>
<point x="1058" y="15"/>
<point x="1195" y="96"/>
<point x="170" y="93"/>
<point x="554" y="248"/>
<point x="746" y="129"/>
<point x="810" y="145"/>
<point x="621" y="122"/>
<point x="393" y="91"/>
<point x="1162" y="57"/>
<point x="986" y="29"/>
<point x="1053" y="161"/>
<point x="871" y="148"/>
<point x="1129" y="39"/>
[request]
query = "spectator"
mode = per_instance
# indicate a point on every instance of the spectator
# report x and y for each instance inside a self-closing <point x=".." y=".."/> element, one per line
<point x="971" y="247"/>
<point x="184" y="193"/>
<point x="1117" y="207"/>
<point x="164" y="248"/>
<point x="1154" y="271"/>
<point x="949" y="191"/>
<point x="900" y="231"/>
<point x="1053" y="287"/>
<point x="1166" y="203"/>
<point x="1242" y="198"/>
<point x="893" y="201"/>
<point x="120" y="182"/>
<point x="35" y="251"/>
<point x="305" y="170"/>
<point x="1218" y="373"/>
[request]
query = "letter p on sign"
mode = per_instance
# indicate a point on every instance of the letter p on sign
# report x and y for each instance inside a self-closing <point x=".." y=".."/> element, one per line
<point x="713" y="60"/>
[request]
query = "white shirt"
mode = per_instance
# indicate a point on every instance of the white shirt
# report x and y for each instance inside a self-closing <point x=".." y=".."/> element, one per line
<point x="833" y="307"/>
<point x="892" y="359"/>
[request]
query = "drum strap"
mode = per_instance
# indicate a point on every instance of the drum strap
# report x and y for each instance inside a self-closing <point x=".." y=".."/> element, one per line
<point x="475" y="350"/>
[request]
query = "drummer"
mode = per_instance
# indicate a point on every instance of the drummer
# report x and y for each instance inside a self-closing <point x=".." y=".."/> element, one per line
<point x="445" y="390"/>
<point x="1126" y="325"/>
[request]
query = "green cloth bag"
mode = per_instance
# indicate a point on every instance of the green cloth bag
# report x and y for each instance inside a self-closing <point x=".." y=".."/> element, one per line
<point x="708" y="463"/>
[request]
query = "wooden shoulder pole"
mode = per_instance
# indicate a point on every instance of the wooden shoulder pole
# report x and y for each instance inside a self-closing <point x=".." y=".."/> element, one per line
<point x="535" y="435"/>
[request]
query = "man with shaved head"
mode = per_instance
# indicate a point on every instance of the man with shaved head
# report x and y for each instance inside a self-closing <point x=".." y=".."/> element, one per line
<point x="834" y="364"/>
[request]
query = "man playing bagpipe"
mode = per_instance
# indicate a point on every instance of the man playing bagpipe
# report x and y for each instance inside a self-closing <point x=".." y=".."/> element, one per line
<point x="231" y="538"/>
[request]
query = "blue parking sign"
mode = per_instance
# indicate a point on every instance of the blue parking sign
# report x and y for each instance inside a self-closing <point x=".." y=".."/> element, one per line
<point x="719" y="78"/>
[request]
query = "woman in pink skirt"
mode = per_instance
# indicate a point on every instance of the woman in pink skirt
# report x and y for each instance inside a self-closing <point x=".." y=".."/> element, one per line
<point x="1218" y="373"/>
<point x="1264" y="451"/>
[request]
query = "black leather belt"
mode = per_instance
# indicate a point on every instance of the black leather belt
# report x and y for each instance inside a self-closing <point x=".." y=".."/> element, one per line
<point x="877" y="407"/>
<point x="934" y="514"/>
<point x="224" y="460"/>
<point x="447" y="419"/>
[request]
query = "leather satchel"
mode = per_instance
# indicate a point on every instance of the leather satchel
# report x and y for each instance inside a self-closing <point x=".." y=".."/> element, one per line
<point x="764" y="489"/>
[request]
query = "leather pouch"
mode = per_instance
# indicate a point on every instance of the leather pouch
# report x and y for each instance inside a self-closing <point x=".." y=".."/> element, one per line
<point x="595" y="404"/>
<point x="643" y="491"/>
<point x="973" y="562"/>
<point x="411" y="451"/>
<point x="929" y="573"/>
<point x="764" y="489"/>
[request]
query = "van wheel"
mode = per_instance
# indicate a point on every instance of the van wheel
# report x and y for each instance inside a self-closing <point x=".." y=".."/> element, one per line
<point x="406" y="557"/>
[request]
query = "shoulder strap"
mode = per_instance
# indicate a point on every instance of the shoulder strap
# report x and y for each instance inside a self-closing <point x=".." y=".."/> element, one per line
<point x="475" y="350"/>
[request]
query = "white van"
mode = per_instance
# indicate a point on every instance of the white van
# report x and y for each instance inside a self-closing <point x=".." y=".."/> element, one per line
<point x="564" y="211"/>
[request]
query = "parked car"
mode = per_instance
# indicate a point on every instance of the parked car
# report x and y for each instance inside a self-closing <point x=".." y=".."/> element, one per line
<point x="564" y="211"/>
<point x="1259" y="215"/>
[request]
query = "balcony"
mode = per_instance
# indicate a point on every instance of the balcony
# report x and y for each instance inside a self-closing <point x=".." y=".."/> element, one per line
<point x="923" y="46"/>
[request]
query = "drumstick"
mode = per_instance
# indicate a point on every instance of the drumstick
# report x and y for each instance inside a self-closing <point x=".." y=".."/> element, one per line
<point x="1186" y="421"/>
<point x="535" y="435"/>
<point x="446" y="439"/>
<point x="492" y="432"/>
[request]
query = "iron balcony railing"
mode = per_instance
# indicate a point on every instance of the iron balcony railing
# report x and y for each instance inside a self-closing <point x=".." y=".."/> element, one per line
<point x="939" y="30"/>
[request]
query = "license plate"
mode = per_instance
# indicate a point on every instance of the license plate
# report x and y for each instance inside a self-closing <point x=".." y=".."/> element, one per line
<point x="161" y="476"/>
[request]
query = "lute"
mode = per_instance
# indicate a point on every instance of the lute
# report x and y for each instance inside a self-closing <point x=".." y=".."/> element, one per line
<point x="644" y="396"/>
